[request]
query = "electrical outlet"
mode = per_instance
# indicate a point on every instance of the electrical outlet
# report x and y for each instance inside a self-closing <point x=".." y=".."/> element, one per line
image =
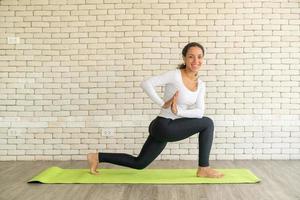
<point x="108" y="132"/>
<point x="13" y="132"/>
<point x="13" y="40"/>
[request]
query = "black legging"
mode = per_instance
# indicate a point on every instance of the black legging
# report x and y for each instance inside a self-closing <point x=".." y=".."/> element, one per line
<point x="163" y="130"/>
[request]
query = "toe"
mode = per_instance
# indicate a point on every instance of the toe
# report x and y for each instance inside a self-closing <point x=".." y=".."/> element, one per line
<point x="94" y="172"/>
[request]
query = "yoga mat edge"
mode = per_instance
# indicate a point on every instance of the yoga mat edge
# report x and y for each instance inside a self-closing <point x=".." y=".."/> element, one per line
<point x="54" y="175"/>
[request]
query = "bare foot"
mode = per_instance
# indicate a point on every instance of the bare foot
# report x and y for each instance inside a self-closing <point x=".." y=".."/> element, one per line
<point x="209" y="173"/>
<point x="93" y="163"/>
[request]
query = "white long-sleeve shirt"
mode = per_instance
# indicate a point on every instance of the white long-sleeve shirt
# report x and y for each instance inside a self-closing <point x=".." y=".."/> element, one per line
<point x="190" y="104"/>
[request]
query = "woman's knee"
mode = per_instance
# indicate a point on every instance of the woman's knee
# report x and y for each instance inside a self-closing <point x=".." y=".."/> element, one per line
<point x="208" y="121"/>
<point x="141" y="165"/>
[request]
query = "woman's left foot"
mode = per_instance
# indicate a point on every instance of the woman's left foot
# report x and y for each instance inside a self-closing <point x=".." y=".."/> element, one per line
<point x="209" y="173"/>
<point x="93" y="163"/>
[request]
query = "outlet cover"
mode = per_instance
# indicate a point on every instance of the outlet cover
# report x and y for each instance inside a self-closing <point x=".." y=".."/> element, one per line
<point x="108" y="132"/>
<point x="13" y="132"/>
<point x="13" y="40"/>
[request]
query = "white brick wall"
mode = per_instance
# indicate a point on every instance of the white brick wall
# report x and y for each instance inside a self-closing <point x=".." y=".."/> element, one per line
<point x="79" y="63"/>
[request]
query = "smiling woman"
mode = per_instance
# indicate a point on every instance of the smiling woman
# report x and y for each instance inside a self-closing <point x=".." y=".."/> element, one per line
<point x="188" y="49"/>
<point x="193" y="56"/>
<point x="181" y="116"/>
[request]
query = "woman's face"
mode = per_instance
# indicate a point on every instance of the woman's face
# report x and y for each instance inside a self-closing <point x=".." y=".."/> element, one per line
<point x="193" y="59"/>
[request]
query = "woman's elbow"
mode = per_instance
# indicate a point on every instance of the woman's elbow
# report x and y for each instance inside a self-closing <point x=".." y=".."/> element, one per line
<point x="144" y="84"/>
<point x="199" y="116"/>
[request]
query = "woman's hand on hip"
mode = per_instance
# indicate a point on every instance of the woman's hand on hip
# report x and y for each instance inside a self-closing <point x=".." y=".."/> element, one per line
<point x="169" y="103"/>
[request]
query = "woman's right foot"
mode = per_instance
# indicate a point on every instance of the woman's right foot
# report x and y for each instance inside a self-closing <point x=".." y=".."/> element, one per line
<point x="93" y="163"/>
<point x="209" y="173"/>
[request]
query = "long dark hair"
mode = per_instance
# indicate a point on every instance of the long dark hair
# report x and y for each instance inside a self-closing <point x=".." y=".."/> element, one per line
<point x="185" y="50"/>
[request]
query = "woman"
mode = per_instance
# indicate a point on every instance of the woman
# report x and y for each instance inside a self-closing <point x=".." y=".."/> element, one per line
<point x="180" y="117"/>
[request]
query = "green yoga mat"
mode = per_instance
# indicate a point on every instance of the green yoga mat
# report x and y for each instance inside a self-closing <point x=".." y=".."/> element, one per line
<point x="146" y="176"/>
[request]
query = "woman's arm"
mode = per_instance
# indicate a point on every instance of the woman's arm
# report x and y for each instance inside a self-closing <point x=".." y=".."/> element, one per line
<point x="197" y="112"/>
<point x="149" y="85"/>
